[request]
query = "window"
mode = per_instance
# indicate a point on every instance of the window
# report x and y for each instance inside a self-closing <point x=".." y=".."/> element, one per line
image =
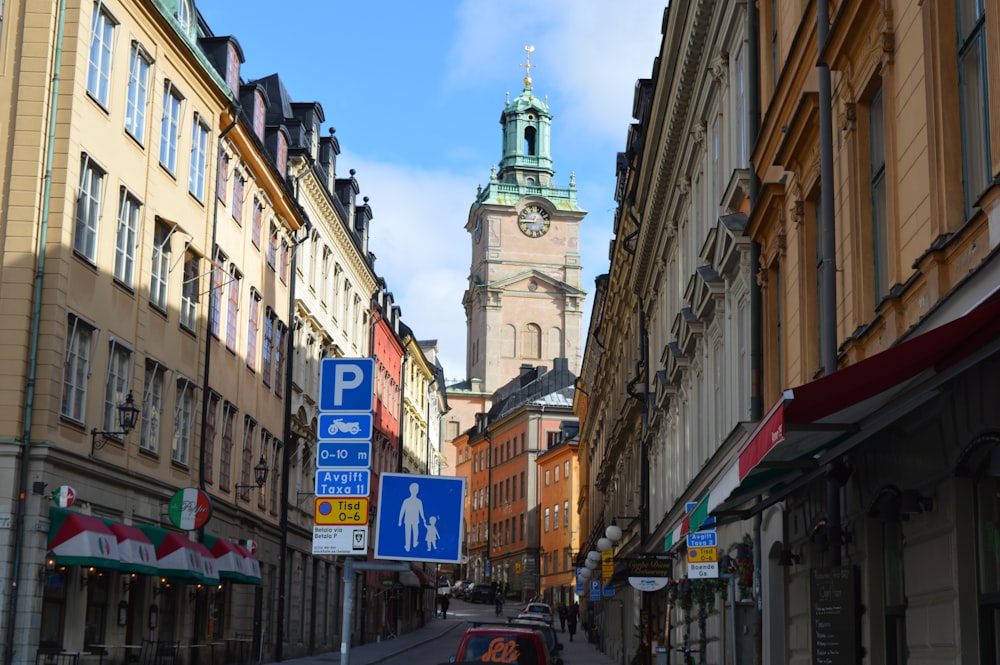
<point x="102" y="35"/>
<point x="280" y="331"/>
<point x="184" y="14"/>
<point x="160" y="268"/>
<point x="275" y="474"/>
<point x="531" y="341"/>
<point x="282" y="157"/>
<point x="257" y="223"/>
<point x="566" y="469"/>
<point x="258" y="115"/>
<point x="183" y="421"/>
<point x="555" y="517"/>
<point x="266" y="346"/>
<point x="138" y="92"/>
<point x="152" y="406"/>
<point x="222" y="178"/>
<point x="283" y="268"/>
<point x="226" y="458"/>
<point x="215" y="296"/>
<point x="973" y="99"/>
<point x="76" y="368"/>
<point x="513" y="489"/>
<point x="210" y="420"/>
<point x="116" y="385"/>
<point x="253" y="316"/>
<point x="199" y="158"/>
<point x="740" y="109"/>
<point x="880" y="250"/>
<point x="232" y="69"/>
<point x="125" y="238"/>
<point x="88" y="210"/>
<point x="170" y="128"/>
<point x="246" y="465"/>
<point x="548" y="477"/>
<point x="522" y="484"/>
<point x="234" y="307"/>
<point x="272" y="247"/>
<point x="555" y="474"/>
<point x="238" y="183"/>
<point x="190" y="292"/>
<point x="566" y="513"/>
<point x="547" y="520"/>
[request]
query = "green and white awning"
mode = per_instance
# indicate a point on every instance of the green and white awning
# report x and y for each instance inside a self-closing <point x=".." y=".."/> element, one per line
<point x="135" y="551"/>
<point x="232" y="561"/>
<point x="76" y="539"/>
<point x="180" y="559"/>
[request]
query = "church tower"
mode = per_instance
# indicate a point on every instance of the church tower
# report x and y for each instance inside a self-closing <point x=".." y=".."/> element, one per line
<point x="523" y="304"/>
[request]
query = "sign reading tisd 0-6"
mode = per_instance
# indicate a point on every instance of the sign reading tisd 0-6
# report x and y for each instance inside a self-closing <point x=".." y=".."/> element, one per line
<point x="341" y="511"/>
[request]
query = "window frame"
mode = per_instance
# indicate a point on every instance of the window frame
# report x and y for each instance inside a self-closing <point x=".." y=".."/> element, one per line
<point x="152" y="407"/>
<point x="197" y="175"/>
<point x="89" y="208"/>
<point x="159" y="272"/>
<point x="126" y="237"/>
<point x="137" y="94"/>
<point x="190" y="291"/>
<point x="103" y="33"/>
<point x="80" y="338"/>
<point x="117" y="385"/>
<point x="171" y="123"/>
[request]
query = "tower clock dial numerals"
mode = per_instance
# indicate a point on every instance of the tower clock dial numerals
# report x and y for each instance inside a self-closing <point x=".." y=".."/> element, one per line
<point x="533" y="221"/>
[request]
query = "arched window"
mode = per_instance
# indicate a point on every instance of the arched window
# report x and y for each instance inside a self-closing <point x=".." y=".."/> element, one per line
<point x="555" y="343"/>
<point x="529" y="140"/>
<point x="531" y="341"/>
<point x="508" y="341"/>
<point x="258" y="115"/>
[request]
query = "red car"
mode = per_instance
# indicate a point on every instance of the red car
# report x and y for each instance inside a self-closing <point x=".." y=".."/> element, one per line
<point x="510" y="645"/>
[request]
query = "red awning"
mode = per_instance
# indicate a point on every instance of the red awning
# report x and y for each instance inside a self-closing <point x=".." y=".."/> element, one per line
<point x="416" y="577"/>
<point x="816" y="422"/>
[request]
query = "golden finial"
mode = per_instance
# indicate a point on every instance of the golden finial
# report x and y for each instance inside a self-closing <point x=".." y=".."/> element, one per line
<point x="527" y="66"/>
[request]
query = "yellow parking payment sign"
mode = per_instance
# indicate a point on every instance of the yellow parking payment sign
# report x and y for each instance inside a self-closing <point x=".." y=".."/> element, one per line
<point x="703" y="554"/>
<point x="334" y="511"/>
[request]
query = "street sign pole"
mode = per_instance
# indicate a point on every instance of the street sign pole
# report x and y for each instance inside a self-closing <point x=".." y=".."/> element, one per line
<point x="349" y="568"/>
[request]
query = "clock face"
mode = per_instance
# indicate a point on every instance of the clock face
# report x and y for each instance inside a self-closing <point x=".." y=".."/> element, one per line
<point x="533" y="221"/>
<point x="479" y="229"/>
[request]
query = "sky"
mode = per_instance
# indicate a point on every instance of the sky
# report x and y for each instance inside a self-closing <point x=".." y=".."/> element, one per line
<point x="415" y="91"/>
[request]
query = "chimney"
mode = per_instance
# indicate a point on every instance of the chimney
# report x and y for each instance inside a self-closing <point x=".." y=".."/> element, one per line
<point x="560" y="364"/>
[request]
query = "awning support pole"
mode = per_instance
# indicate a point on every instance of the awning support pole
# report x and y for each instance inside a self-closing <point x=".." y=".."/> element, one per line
<point x="349" y="568"/>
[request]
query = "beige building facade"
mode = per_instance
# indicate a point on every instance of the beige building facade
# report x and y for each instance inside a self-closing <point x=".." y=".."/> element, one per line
<point x="797" y="336"/>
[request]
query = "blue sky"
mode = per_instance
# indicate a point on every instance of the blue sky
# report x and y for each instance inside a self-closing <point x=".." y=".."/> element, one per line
<point x="415" y="91"/>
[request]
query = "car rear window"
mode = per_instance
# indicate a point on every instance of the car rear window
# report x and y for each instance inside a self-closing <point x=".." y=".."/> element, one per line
<point x="515" y="649"/>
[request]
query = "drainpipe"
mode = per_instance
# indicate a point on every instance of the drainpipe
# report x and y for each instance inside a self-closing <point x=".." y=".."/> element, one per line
<point x="828" y="295"/>
<point x="756" y="309"/>
<point x="36" y="322"/>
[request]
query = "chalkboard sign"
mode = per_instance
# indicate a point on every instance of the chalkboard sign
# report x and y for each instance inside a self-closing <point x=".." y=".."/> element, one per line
<point x="836" y="624"/>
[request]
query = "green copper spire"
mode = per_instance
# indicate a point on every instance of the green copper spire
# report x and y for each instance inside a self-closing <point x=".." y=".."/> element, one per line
<point x="526" y="123"/>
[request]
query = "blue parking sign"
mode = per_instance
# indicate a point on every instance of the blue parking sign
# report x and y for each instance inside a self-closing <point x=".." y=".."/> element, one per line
<point x="419" y="518"/>
<point x="346" y="384"/>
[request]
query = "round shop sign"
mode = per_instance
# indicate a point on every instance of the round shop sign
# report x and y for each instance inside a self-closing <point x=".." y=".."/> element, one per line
<point x="190" y="509"/>
<point x="64" y="496"/>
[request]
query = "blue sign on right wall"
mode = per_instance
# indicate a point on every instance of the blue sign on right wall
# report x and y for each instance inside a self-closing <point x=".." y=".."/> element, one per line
<point x="419" y="518"/>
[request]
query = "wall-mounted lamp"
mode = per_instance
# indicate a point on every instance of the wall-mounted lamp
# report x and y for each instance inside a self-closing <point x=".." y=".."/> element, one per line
<point x="259" y="476"/>
<point x="788" y="557"/>
<point x="128" y="413"/>
<point x="163" y="586"/>
<point x="47" y="568"/>
<point x="91" y="576"/>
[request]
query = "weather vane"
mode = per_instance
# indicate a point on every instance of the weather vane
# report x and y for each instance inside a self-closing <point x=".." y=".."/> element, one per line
<point x="527" y="65"/>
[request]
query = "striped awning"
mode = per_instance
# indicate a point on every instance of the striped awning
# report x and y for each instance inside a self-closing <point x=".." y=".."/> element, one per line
<point x="180" y="559"/>
<point x="136" y="553"/>
<point x="76" y="539"/>
<point x="231" y="561"/>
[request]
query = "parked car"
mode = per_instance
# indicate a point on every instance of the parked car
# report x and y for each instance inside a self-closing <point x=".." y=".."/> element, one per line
<point x="481" y="593"/>
<point x="547" y="631"/>
<point x="458" y="588"/>
<point x="539" y="609"/>
<point x="510" y="644"/>
<point x="444" y="587"/>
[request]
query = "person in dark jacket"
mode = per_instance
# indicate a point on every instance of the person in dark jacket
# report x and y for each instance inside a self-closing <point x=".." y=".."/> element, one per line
<point x="444" y="605"/>
<point x="572" y="615"/>
<point x="563" y="612"/>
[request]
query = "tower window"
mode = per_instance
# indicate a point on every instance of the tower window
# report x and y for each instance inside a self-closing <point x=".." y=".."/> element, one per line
<point x="529" y="141"/>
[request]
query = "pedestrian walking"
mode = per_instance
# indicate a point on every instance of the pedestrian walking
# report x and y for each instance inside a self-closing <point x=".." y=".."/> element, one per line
<point x="572" y="615"/>
<point x="563" y="612"/>
<point x="444" y="606"/>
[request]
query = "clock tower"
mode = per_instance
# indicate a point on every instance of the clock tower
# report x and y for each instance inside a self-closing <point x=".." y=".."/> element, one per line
<point x="523" y="304"/>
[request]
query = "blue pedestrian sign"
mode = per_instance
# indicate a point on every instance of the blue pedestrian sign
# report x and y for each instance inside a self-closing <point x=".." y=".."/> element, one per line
<point x="343" y="482"/>
<point x="419" y="518"/>
<point x="345" y="427"/>
<point x="346" y="384"/>
<point x="339" y="454"/>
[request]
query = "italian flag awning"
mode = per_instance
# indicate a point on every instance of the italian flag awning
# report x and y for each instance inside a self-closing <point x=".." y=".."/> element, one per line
<point x="81" y="540"/>
<point x="230" y="562"/>
<point x="135" y="551"/>
<point x="180" y="559"/>
<point x="251" y="567"/>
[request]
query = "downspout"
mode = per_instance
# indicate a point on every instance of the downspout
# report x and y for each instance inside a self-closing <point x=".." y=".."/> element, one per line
<point x="36" y="322"/>
<point x="756" y="310"/>
<point x="828" y="295"/>
<point x="286" y="435"/>
<point x="402" y="407"/>
<point x="208" y="331"/>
